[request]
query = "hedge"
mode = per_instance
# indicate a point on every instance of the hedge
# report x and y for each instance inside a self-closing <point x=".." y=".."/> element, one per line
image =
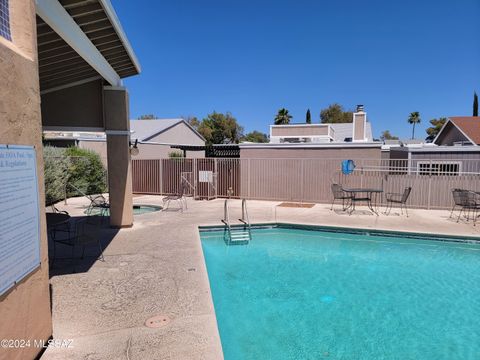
<point x="80" y="168"/>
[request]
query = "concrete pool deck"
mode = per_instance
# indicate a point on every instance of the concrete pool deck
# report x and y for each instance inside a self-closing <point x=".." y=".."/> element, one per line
<point x="157" y="268"/>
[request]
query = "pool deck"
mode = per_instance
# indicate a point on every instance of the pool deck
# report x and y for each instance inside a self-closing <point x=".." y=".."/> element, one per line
<point x="157" y="268"/>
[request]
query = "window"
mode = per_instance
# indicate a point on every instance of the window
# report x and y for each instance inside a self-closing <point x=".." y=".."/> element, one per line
<point x="5" y="20"/>
<point x="439" y="168"/>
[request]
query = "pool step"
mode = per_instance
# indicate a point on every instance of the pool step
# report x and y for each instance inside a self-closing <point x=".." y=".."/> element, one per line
<point x="240" y="235"/>
<point x="237" y="235"/>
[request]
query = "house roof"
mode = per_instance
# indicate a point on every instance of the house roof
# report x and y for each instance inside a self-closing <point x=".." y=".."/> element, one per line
<point x="469" y="126"/>
<point x="345" y="130"/>
<point x="144" y="130"/>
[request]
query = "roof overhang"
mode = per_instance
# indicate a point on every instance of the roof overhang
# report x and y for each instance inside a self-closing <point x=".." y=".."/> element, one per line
<point x="80" y="41"/>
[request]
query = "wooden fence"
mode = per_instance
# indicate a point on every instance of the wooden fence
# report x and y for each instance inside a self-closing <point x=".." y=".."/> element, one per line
<point x="303" y="180"/>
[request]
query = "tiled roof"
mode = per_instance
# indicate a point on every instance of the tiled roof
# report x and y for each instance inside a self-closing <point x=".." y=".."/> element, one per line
<point x="469" y="125"/>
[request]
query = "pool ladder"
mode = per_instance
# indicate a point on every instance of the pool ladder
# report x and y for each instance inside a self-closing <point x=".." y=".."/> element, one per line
<point x="236" y="235"/>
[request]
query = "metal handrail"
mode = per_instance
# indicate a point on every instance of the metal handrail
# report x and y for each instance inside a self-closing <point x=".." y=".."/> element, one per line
<point x="245" y="219"/>
<point x="226" y="219"/>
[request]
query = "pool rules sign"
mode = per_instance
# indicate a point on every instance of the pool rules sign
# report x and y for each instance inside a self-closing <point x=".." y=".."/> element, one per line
<point x="19" y="215"/>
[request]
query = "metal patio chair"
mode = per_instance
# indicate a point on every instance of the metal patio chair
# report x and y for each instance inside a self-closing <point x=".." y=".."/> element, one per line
<point x="470" y="204"/>
<point x="458" y="200"/>
<point x="179" y="197"/>
<point x="85" y="232"/>
<point x="98" y="205"/>
<point x="339" y="194"/>
<point x="398" y="198"/>
<point x="63" y="227"/>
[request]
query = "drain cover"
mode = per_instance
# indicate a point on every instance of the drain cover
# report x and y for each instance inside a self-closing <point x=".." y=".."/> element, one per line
<point x="157" y="321"/>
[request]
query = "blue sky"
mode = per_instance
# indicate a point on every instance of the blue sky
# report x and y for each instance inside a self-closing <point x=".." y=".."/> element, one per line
<point x="253" y="57"/>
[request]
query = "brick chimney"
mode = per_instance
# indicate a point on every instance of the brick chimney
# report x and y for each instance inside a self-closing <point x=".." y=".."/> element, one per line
<point x="359" y="124"/>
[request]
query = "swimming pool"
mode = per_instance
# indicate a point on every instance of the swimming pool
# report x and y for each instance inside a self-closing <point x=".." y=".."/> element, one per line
<point x="137" y="210"/>
<point x="296" y="293"/>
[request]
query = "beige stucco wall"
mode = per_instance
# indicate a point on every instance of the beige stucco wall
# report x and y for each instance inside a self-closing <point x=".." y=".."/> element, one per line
<point x="179" y="134"/>
<point x="147" y="151"/>
<point x="312" y="153"/>
<point x="300" y="130"/>
<point x="25" y="309"/>
<point x="359" y="126"/>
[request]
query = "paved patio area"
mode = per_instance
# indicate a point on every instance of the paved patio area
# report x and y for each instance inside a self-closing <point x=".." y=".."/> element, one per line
<point x="157" y="268"/>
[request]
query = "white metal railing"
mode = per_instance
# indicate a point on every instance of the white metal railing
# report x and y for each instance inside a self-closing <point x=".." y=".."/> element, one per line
<point x="245" y="219"/>
<point x="226" y="220"/>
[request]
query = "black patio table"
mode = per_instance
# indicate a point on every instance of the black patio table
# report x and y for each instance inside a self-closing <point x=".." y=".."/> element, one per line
<point x="370" y="196"/>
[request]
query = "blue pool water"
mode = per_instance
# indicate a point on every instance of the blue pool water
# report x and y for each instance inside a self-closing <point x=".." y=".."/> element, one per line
<point x="302" y="294"/>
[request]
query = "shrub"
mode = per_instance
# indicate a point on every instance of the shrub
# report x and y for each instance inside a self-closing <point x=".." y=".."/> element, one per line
<point x="175" y="154"/>
<point x="56" y="173"/>
<point x="86" y="171"/>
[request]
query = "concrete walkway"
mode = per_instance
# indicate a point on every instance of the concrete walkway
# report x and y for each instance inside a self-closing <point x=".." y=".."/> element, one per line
<point x="157" y="268"/>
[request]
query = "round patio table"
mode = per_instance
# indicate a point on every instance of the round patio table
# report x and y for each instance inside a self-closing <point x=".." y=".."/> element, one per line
<point x="371" y="195"/>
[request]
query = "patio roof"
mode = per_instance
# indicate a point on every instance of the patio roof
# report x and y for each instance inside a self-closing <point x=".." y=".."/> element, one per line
<point x="79" y="41"/>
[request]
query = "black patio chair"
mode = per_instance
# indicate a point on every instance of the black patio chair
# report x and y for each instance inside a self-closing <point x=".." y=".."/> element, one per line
<point x="63" y="227"/>
<point x="398" y="198"/>
<point x="339" y="194"/>
<point x="85" y="232"/>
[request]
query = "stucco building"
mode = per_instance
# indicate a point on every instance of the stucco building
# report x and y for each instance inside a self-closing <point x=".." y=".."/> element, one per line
<point x="156" y="139"/>
<point x="62" y="65"/>
<point x="328" y="141"/>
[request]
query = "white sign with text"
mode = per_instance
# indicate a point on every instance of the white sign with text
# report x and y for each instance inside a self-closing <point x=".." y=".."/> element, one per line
<point x="19" y="214"/>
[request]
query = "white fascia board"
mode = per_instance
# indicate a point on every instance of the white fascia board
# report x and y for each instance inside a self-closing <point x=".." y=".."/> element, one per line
<point x="441" y="130"/>
<point x="112" y="16"/>
<point x="458" y="128"/>
<point x="55" y="15"/>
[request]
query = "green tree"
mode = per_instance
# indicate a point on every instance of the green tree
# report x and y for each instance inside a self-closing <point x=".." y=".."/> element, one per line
<point x="256" y="137"/>
<point x="218" y="128"/>
<point x="475" y="104"/>
<point x="433" y="130"/>
<point x="335" y="114"/>
<point x="282" y="117"/>
<point x="192" y="121"/>
<point x="308" y="117"/>
<point x="387" y="136"/>
<point x="147" y="117"/>
<point x="414" y="119"/>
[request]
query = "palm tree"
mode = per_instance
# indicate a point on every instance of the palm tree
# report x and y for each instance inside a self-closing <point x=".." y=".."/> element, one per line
<point x="414" y="119"/>
<point x="283" y="117"/>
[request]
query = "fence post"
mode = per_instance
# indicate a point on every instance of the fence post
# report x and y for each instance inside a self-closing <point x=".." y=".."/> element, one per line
<point x="215" y="171"/>
<point x="160" y="170"/>
<point x="248" y="179"/>
<point x="361" y="173"/>
<point x="302" y="179"/>
<point x="194" y="170"/>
